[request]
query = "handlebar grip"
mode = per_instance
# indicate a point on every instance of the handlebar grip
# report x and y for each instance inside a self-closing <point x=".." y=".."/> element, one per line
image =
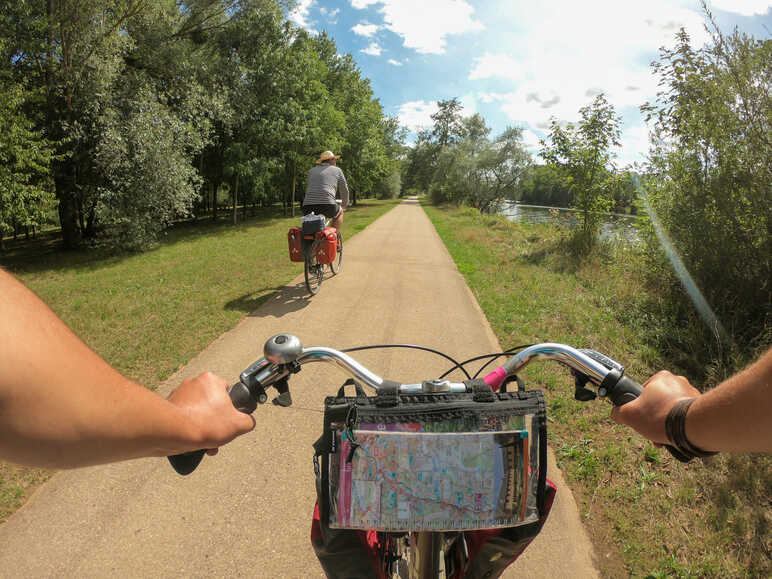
<point x="626" y="390"/>
<point x="186" y="462"/>
<point x="243" y="401"/>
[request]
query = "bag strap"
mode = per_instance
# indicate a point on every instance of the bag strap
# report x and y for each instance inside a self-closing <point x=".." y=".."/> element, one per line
<point x="512" y="378"/>
<point x="541" y="485"/>
<point x="357" y="386"/>
<point x="388" y="394"/>
<point x="481" y="392"/>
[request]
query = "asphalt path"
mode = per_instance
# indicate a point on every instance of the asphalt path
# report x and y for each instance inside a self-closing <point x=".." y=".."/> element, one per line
<point x="247" y="511"/>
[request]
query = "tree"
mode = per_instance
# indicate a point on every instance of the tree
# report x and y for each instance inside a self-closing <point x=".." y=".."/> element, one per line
<point x="447" y="122"/>
<point x="544" y="185"/>
<point x="25" y="192"/>
<point x="477" y="171"/>
<point x="710" y="174"/>
<point x="144" y="101"/>
<point x="390" y="184"/>
<point x="429" y="155"/>
<point x="501" y="165"/>
<point x="583" y="152"/>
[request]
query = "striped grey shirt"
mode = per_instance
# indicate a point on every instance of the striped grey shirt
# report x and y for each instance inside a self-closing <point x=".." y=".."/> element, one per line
<point x="323" y="181"/>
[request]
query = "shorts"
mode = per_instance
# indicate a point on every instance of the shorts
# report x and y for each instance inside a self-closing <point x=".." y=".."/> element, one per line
<point x="329" y="210"/>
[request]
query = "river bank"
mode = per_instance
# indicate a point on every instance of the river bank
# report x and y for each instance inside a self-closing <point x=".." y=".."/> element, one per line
<point x="612" y="226"/>
<point x="647" y="514"/>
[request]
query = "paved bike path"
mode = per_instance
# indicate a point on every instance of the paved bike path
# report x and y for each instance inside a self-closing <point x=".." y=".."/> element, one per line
<point x="247" y="511"/>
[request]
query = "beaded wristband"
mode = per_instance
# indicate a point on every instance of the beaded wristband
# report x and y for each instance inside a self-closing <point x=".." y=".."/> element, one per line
<point x="675" y="427"/>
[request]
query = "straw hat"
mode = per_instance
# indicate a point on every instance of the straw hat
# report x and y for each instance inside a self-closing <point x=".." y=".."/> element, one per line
<point x="326" y="156"/>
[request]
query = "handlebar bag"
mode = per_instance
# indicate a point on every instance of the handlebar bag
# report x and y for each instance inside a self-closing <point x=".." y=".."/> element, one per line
<point x="473" y="462"/>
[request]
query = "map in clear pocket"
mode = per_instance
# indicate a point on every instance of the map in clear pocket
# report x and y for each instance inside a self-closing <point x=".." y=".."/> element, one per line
<point x="396" y="480"/>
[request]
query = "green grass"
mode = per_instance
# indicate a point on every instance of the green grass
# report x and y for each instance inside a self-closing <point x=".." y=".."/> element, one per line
<point x="149" y="313"/>
<point x="648" y="515"/>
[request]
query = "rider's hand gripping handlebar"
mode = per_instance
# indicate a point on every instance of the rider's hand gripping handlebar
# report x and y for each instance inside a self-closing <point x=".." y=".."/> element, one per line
<point x="279" y="355"/>
<point x="243" y="401"/>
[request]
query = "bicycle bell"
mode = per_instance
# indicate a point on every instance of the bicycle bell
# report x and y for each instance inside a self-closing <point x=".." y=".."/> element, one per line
<point x="282" y="349"/>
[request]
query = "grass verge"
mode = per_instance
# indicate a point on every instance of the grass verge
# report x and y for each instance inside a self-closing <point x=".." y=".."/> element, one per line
<point x="647" y="514"/>
<point x="147" y="314"/>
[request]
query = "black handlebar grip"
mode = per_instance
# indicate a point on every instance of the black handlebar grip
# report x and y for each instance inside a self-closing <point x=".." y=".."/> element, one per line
<point x="626" y="390"/>
<point x="243" y="401"/>
<point x="186" y="462"/>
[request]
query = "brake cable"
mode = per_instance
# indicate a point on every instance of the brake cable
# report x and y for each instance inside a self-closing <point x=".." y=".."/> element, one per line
<point x="492" y="357"/>
<point x="456" y="365"/>
<point x="413" y="347"/>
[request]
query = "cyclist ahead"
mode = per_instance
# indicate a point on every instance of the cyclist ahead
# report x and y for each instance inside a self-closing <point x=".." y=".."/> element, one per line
<point x="324" y="181"/>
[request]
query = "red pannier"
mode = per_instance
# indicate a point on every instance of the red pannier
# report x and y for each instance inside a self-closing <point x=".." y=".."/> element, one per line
<point x="327" y="250"/>
<point x="295" y="239"/>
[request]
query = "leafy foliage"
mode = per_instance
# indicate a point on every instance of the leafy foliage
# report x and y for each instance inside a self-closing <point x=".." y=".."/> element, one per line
<point x="458" y="162"/>
<point x="150" y="107"/>
<point x="710" y="176"/>
<point x="583" y="153"/>
<point x="25" y="194"/>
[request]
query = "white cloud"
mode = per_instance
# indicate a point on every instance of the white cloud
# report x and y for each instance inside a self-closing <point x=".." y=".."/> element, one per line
<point x="496" y="65"/>
<point x="331" y="15"/>
<point x="531" y="140"/>
<point x="744" y="7"/>
<point x="374" y="49"/>
<point x="635" y="140"/>
<point x="425" y="24"/>
<point x="394" y="62"/>
<point x="417" y="115"/>
<point x="553" y="59"/>
<point x="299" y="14"/>
<point x="365" y="29"/>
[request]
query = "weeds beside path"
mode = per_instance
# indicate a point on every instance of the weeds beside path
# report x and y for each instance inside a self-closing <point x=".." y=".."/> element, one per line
<point x="147" y="314"/>
<point x="647" y="514"/>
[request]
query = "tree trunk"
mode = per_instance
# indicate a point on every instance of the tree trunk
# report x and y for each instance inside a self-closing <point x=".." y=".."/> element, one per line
<point x="68" y="217"/>
<point x="215" y="187"/>
<point x="235" y="200"/>
<point x="294" y="181"/>
<point x="200" y="207"/>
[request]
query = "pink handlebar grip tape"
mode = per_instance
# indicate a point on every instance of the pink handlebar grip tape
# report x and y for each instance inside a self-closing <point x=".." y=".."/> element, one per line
<point x="495" y="378"/>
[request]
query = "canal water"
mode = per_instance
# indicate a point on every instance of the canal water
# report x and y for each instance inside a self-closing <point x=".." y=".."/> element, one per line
<point x="614" y="225"/>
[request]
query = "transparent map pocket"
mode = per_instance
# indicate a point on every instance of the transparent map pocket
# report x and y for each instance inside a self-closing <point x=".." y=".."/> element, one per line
<point x="398" y="480"/>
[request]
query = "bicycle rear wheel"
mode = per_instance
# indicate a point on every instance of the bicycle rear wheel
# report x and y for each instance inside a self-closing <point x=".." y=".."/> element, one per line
<point x="336" y="263"/>
<point x="313" y="270"/>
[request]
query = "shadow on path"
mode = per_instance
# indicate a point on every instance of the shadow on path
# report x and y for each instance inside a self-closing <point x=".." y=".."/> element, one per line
<point x="280" y="301"/>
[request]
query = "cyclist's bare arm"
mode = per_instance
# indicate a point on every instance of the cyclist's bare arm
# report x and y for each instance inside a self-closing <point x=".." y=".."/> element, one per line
<point x="62" y="406"/>
<point x="734" y="416"/>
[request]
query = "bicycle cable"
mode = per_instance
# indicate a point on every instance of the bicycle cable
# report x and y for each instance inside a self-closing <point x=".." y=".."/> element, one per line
<point x="456" y="364"/>
<point x="492" y="357"/>
<point x="413" y="347"/>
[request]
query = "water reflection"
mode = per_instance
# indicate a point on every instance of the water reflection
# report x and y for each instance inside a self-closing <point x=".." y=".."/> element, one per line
<point x="614" y="225"/>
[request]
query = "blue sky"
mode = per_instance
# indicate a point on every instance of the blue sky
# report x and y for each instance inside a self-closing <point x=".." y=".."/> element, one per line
<point x="516" y="62"/>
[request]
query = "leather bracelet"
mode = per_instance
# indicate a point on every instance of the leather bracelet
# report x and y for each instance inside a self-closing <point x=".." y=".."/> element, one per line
<point x="675" y="428"/>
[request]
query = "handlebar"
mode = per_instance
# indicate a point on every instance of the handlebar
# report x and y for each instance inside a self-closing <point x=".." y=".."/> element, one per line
<point x="284" y="355"/>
